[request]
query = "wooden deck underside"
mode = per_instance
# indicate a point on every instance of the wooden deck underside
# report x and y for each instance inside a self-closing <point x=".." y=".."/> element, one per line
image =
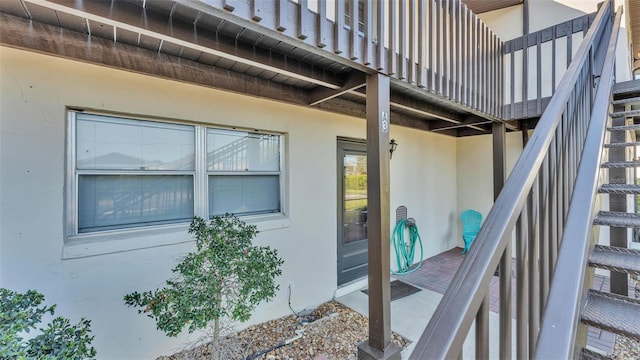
<point x="230" y="49"/>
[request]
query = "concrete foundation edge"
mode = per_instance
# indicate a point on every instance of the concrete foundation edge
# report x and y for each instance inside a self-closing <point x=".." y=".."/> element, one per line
<point x="366" y="352"/>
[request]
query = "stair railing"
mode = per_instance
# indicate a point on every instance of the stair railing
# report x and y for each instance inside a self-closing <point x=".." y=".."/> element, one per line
<point x="534" y="203"/>
<point x="561" y="317"/>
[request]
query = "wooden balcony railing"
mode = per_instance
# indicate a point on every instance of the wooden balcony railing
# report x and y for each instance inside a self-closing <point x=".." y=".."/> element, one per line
<point x="535" y="63"/>
<point x="439" y="46"/>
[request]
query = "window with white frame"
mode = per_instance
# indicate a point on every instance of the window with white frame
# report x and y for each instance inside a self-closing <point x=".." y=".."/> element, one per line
<point x="130" y="173"/>
<point x="243" y="172"/>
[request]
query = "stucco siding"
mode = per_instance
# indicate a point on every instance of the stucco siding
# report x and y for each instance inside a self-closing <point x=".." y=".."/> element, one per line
<point x="35" y="91"/>
<point x="423" y="173"/>
<point x="475" y="170"/>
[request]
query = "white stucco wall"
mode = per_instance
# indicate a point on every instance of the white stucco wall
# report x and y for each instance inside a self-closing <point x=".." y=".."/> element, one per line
<point x="423" y="170"/>
<point x="35" y="89"/>
<point x="507" y="23"/>
<point x="475" y="170"/>
<point x="544" y="13"/>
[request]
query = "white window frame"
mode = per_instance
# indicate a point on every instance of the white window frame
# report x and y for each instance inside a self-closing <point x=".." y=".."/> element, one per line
<point x="214" y="173"/>
<point x="130" y="238"/>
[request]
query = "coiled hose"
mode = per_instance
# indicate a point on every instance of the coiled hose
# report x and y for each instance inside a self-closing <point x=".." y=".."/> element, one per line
<point x="405" y="251"/>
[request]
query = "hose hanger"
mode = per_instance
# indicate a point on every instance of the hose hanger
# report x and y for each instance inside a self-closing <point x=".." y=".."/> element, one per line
<point x="405" y="250"/>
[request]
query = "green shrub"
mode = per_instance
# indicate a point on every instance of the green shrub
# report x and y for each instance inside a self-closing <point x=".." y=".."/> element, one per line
<point x="356" y="182"/>
<point x="226" y="277"/>
<point x="21" y="313"/>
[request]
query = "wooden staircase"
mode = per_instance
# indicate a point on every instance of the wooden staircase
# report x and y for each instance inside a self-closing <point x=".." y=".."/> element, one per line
<point x="617" y="313"/>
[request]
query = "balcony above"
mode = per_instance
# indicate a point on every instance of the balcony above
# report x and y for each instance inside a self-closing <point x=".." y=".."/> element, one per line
<point x="446" y="72"/>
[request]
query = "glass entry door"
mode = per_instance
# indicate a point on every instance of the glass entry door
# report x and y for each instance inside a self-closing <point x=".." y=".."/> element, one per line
<point x="352" y="211"/>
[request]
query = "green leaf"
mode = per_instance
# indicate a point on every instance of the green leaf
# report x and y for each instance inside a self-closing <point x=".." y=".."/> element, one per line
<point x="59" y="340"/>
<point x="200" y="291"/>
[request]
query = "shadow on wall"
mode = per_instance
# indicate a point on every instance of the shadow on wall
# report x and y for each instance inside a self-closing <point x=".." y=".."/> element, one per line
<point x="556" y="12"/>
<point x="451" y="235"/>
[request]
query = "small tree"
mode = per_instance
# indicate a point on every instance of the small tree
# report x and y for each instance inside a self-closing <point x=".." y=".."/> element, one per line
<point x="226" y="277"/>
<point x="21" y="313"/>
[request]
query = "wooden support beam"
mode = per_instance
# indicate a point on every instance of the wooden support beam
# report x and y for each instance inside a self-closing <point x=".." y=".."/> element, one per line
<point x="351" y="108"/>
<point x="23" y="34"/>
<point x="473" y="122"/>
<point x="379" y="345"/>
<point x="524" y="127"/>
<point x="618" y="202"/>
<point x="499" y="157"/>
<point x="466" y="131"/>
<point x="424" y="103"/>
<point x="342" y="106"/>
<point x="355" y="81"/>
<point x="423" y="108"/>
<point x="126" y="16"/>
<point x="504" y="269"/>
<point x="417" y="107"/>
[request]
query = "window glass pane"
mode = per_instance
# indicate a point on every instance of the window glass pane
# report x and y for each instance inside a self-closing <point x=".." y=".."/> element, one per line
<point x="117" y="201"/>
<point x="111" y="143"/>
<point x="249" y="194"/>
<point x="230" y="150"/>
<point x="355" y="197"/>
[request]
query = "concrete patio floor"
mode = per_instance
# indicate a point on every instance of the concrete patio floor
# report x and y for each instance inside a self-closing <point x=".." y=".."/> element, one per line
<point x="410" y="315"/>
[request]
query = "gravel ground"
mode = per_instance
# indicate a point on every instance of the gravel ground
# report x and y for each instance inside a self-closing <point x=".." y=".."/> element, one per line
<point x="331" y="332"/>
<point x="626" y="348"/>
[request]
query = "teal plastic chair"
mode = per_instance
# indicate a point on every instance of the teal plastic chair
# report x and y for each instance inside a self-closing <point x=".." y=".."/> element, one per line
<point x="471" y="222"/>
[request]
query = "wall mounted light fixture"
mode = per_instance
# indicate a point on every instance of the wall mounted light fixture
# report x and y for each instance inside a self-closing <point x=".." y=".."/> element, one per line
<point x="392" y="147"/>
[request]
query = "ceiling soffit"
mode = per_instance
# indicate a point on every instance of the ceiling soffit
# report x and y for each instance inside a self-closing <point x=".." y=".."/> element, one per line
<point x="481" y="6"/>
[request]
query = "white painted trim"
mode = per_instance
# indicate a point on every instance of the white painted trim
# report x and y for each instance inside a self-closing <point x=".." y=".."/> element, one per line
<point x="351" y="287"/>
<point x="109" y="242"/>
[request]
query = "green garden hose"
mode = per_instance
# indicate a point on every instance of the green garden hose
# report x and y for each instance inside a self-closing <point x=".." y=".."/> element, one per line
<point x="405" y="251"/>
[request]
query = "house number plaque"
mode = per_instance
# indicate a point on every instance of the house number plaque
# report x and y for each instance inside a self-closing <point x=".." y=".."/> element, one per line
<point x="384" y="124"/>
